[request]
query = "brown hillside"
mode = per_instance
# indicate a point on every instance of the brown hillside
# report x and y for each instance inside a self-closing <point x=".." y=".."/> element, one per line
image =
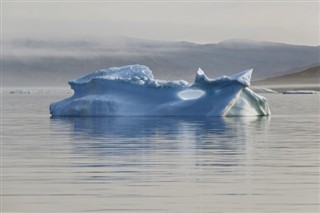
<point x="308" y="76"/>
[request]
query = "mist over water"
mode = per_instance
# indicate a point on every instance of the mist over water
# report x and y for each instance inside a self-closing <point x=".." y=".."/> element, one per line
<point x="53" y="62"/>
<point x="154" y="164"/>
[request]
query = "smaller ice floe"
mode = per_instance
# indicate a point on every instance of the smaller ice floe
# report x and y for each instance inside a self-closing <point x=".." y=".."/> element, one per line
<point x="262" y="90"/>
<point x="133" y="91"/>
<point x="51" y="91"/>
<point x="20" y="92"/>
<point x="300" y="92"/>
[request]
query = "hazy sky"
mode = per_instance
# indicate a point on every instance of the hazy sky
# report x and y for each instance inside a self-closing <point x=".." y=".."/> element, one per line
<point x="200" y="22"/>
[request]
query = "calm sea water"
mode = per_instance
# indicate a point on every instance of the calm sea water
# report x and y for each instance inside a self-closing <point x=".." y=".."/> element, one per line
<point x="169" y="164"/>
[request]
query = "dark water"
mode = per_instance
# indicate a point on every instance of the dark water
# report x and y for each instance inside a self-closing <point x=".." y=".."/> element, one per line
<point x="169" y="164"/>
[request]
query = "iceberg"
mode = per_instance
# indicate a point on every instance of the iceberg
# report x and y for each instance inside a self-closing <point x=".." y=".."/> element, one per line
<point x="262" y="90"/>
<point x="133" y="91"/>
<point x="300" y="92"/>
<point x="20" y="92"/>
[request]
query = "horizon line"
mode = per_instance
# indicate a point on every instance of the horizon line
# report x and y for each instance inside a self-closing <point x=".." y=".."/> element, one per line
<point x="102" y="38"/>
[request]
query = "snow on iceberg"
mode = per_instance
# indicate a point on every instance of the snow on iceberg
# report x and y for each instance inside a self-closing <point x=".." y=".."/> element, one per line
<point x="133" y="91"/>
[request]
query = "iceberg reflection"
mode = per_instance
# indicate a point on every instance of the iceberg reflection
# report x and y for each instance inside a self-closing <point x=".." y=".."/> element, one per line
<point x="159" y="132"/>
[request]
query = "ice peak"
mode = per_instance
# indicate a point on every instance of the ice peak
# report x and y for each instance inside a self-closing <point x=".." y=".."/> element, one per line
<point x="200" y="71"/>
<point x="200" y="76"/>
<point x="243" y="77"/>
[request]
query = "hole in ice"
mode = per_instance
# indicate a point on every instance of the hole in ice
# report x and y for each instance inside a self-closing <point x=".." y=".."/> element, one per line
<point x="190" y="94"/>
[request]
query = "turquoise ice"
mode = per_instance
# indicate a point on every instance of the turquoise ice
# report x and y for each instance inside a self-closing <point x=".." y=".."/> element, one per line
<point x="133" y="91"/>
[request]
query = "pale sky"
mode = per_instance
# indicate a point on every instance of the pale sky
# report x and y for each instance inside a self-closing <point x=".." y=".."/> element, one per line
<point x="199" y="22"/>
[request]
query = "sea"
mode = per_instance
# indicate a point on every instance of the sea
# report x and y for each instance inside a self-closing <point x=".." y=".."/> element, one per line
<point x="160" y="164"/>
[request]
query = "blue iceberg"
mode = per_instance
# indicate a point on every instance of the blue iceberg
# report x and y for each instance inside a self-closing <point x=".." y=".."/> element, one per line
<point x="133" y="91"/>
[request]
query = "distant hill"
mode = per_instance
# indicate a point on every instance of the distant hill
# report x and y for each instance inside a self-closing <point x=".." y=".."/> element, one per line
<point x="308" y="76"/>
<point x="53" y="63"/>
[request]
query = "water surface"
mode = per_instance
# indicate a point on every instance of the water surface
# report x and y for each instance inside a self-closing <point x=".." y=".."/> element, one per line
<point x="160" y="164"/>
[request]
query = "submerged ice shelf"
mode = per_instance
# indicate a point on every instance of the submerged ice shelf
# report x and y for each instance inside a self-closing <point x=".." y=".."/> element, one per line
<point x="133" y="91"/>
